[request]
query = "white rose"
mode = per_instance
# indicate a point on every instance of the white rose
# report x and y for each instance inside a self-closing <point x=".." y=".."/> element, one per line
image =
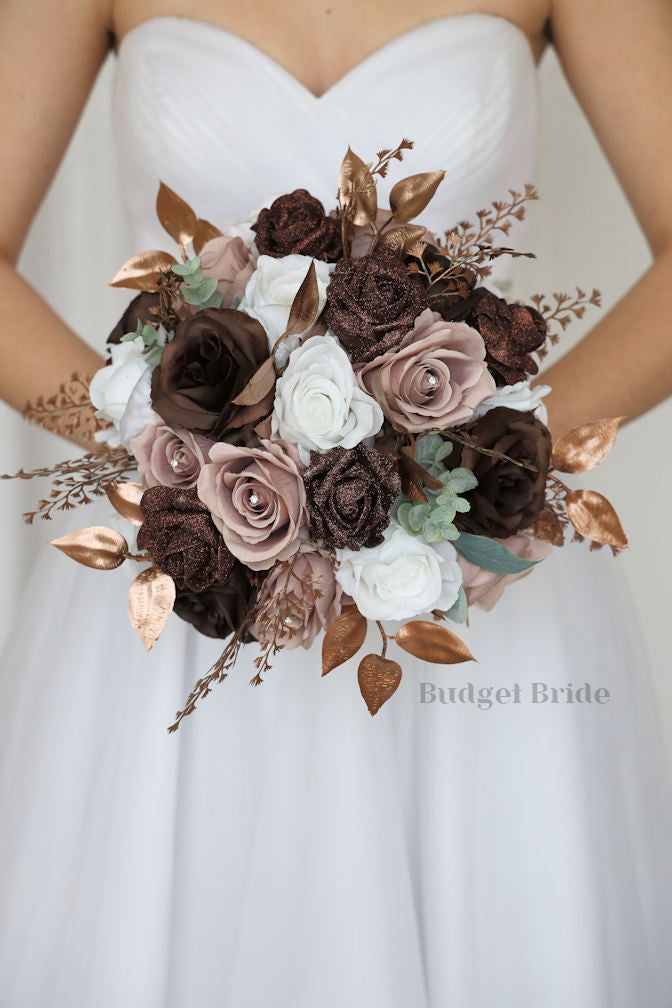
<point x="120" y="392"/>
<point x="520" y="396"/>
<point x="402" y="577"/>
<point x="272" y="288"/>
<point x="243" y="229"/>
<point x="318" y="403"/>
<point x="138" y="412"/>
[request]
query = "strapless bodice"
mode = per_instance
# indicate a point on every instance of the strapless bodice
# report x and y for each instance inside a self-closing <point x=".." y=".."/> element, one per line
<point x="226" y="126"/>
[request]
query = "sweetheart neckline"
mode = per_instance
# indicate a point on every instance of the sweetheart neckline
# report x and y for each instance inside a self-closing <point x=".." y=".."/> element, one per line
<point x="200" y="24"/>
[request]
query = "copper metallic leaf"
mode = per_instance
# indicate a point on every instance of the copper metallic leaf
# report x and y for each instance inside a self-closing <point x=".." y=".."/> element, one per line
<point x="305" y="304"/>
<point x="378" y="679"/>
<point x="260" y="384"/>
<point x="150" y="602"/>
<point x="176" y="216"/>
<point x="263" y="428"/>
<point x="594" y="518"/>
<point x="432" y="643"/>
<point x="548" y="528"/>
<point x="357" y="189"/>
<point x="97" y="547"/>
<point x="343" y="638"/>
<point x="125" y="498"/>
<point x="410" y="196"/>
<point x="205" y="232"/>
<point x="141" y="271"/>
<point x="586" y="446"/>
<point x="400" y="239"/>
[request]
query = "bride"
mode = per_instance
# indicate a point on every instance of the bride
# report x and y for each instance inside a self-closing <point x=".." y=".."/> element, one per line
<point x="283" y="849"/>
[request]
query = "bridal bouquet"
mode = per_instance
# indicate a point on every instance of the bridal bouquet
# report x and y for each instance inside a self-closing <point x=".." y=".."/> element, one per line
<point x="314" y="420"/>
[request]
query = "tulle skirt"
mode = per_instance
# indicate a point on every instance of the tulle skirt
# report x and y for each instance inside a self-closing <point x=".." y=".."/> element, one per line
<point x="285" y="850"/>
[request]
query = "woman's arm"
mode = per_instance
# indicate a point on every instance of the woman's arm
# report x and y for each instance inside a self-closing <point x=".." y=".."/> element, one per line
<point x="50" y="54"/>
<point x="618" y="60"/>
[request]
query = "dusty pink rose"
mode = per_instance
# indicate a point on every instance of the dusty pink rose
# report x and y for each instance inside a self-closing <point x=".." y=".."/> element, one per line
<point x="229" y="260"/>
<point x="168" y="457"/>
<point x="484" y="588"/>
<point x="434" y="379"/>
<point x="257" y="500"/>
<point x="313" y="597"/>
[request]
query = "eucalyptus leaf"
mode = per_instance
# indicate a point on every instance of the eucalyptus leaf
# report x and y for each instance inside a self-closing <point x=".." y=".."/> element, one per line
<point x="458" y="611"/>
<point x="491" y="555"/>
<point x="187" y="269"/>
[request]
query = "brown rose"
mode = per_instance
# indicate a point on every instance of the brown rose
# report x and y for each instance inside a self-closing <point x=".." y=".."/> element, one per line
<point x="307" y="590"/>
<point x="182" y="540"/>
<point x="205" y="367"/>
<point x="143" y="308"/>
<point x="350" y="495"/>
<point x="434" y="379"/>
<point x="296" y="224"/>
<point x="511" y="332"/>
<point x="371" y="303"/>
<point x="221" y="609"/>
<point x="257" y="500"/>
<point x="508" y="496"/>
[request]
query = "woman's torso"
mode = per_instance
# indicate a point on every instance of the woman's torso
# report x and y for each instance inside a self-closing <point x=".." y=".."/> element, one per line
<point x="225" y="124"/>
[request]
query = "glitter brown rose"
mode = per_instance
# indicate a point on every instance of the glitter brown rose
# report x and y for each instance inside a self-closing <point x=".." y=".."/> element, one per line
<point x="350" y="495"/>
<point x="508" y="496"/>
<point x="511" y="332"/>
<point x="371" y="303"/>
<point x="182" y="540"/>
<point x="221" y="609"/>
<point x="203" y="369"/>
<point x="296" y="224"/>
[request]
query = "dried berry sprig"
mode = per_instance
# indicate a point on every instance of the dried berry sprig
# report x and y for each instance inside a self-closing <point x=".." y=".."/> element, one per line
<point x="385" y="157"/>
<point x="279" y="615"/>
<point x="565" y="309"/>
<point x="216" y="674"/>
<point x="77" y="481"/>
<point x="467" y="238"/>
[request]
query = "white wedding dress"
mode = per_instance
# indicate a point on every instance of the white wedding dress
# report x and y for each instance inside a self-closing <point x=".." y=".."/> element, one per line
<point x="284" y="849"/>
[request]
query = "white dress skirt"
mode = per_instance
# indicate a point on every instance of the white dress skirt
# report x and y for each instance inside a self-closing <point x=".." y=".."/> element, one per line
<point x="283" y="849"/>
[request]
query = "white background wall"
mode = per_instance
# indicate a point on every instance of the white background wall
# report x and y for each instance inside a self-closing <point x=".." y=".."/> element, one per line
<point x="582" y="231"/>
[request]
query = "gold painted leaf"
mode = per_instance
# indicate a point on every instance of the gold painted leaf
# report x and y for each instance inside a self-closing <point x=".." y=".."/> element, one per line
<point x="378" y="679"/>
<point x="141" y="271"/>
<point x="343" y="638"/>
<point x="432" y="643"/>
<point x="586" y="446"/>
<point x="205" y="232"/>
<point x="125" y="498"/>
<point x="357" y="188"/>
<point x="594" y="518"/>
<point x="97" y="547"/>
<point x="400" y="239"/>
<point x="150" y="602"/>
<point x="410" y="196"/>
<point x="176" y="216"/>
<point x="260" y="384"/>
